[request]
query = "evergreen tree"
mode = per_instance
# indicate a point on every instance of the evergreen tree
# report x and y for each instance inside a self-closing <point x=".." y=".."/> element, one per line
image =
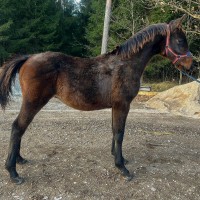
<point x="94" y="29"/>
<point x="35" y="26"/>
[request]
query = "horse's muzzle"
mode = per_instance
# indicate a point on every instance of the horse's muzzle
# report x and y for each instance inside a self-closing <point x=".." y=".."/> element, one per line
<point x="185" y="62"/>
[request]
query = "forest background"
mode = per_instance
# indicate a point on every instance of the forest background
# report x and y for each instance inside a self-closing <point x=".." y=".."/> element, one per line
<point x="75" y="28"/>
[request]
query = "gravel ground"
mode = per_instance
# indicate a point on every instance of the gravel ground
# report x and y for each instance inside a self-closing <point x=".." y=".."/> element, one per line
<point x="69" y="156"/>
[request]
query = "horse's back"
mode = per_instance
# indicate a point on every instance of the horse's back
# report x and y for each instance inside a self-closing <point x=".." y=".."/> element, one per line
<point x="78" y="82"/>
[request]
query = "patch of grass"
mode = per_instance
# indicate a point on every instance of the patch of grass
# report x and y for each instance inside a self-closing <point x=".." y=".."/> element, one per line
<point x="159" y="87"/>
<point x="150" y="94"/>
<point x="160" y="133"/>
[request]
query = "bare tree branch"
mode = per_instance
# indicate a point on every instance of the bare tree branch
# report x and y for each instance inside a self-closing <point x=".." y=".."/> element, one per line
<point x="193" y="32"/>
<point x="195" y="16"/>
<point x="177" y="6"/>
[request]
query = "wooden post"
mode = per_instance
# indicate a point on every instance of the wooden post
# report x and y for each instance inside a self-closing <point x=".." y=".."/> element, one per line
<point x="106" y="26"/>
<point x="180" y="78"/>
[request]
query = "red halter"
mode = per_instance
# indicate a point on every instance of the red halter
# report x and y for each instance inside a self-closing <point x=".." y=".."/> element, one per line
<point x="168" y="49"/>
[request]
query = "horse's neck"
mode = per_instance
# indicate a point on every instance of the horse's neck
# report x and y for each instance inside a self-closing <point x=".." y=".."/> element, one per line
<point x="149" y="50"/>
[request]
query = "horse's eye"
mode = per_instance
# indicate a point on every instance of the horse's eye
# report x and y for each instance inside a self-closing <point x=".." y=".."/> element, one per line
<point x="179" y="41"/>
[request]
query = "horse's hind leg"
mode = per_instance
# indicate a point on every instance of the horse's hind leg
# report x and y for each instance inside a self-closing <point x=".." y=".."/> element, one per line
<point x="19" y="126"/>
<point x="19" y="159"/>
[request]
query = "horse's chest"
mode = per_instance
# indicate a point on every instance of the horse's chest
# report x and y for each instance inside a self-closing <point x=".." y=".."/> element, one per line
<point x="125" y="91"/>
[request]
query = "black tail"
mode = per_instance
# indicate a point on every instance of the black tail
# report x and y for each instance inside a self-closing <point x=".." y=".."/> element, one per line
<point x="7" y="75"/>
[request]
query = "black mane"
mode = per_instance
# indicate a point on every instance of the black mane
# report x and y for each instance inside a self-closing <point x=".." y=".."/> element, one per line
<point x="137" y="41"/>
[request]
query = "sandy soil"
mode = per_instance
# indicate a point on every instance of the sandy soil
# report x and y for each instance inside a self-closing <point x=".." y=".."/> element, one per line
<point x="69" y="154"/>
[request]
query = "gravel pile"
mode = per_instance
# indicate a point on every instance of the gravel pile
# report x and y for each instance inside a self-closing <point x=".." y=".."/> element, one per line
<point x="180" y="100"/>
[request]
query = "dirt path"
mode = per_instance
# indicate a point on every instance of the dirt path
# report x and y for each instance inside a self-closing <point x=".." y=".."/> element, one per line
<point x="69" y="153"/>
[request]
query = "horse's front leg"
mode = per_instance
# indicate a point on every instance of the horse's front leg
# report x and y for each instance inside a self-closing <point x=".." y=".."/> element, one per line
<point x="119" y="115"/>
<point x="113" y="150"/>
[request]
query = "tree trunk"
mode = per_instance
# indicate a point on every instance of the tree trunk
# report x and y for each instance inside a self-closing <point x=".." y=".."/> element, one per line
<point x="106" y="26"/>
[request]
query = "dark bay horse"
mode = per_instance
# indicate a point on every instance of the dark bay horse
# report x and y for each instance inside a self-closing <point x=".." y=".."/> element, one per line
<point x="111" y="80"/>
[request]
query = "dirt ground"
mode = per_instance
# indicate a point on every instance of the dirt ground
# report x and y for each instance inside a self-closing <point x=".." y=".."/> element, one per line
<point x="69" y="156"/>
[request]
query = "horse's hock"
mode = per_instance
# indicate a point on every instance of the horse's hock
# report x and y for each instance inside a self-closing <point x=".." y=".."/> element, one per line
<point x="179" y="100"/>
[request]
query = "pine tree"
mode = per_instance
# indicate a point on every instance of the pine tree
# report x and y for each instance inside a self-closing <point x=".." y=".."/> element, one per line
<point x="94" y="29"/>
<point x="35" y="26"/>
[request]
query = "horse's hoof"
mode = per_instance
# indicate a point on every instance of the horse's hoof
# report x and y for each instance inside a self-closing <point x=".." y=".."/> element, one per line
<point x="128" y="178"/>
<point x="21" y="161"/>
<point x="126" y="174"/>
<point x="17" y="180"/>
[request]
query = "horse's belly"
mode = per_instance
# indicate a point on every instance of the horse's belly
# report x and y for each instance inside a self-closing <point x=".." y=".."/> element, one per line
<point x="79" y="104"/>
<point x="84" y="94"/>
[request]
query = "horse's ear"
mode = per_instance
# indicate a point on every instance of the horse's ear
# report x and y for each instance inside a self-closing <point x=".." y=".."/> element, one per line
<point x="177" y="23"/>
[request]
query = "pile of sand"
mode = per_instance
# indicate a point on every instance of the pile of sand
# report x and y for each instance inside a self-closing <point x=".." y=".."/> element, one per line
<point x="179" y="100"/>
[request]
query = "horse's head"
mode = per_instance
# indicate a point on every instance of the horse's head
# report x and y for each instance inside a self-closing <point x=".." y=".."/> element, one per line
<point x="176" y="48"/>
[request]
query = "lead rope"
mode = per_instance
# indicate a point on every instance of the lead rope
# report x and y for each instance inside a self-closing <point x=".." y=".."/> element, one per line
<point x="191" y="77"/>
